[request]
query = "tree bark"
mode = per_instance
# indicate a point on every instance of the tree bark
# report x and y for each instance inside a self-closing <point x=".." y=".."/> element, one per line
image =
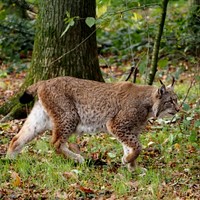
<point x="80" y="58"/>
<point x="156" y="47"/>
<point x="82" y="62"/>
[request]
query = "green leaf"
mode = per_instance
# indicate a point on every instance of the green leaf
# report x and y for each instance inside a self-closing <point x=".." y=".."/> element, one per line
<point x="90" y="21"/>
<point x="112" y="155"/>
<point x="186" y="107"/>
<point x="197" y="124"/>
<point x="4" y="126"/>
<point x="3" y="74"/>
<point x="189" y="118"/>
<point x="186" y="122"/>
<point x="162" y="63"/>
<point x="67" y="14"/>
<point x="197" y="78"/>
<point x="171" y="139"/>
<point x="66" y="29"/>
<point x="193" y="136"/>
<point x="137" y="16"/>
<point x="71" y="23"/>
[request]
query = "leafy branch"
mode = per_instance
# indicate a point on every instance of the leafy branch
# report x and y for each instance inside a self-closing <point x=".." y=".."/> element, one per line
<point x="90" y="21"/>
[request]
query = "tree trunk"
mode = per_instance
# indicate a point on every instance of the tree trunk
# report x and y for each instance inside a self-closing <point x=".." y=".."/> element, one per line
<point x="156" y="47"/>
<point x="77" y="48"/>
<point x="194" y="25"/>
<point x="82" y="62"/>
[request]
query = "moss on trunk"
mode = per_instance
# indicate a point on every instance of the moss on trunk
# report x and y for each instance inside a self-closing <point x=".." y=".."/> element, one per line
<point x="12" y="109"/>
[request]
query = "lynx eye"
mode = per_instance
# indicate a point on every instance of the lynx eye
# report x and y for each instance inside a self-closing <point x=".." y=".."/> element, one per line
<point x="174" y="101"/>
<point x="169" y="102"/>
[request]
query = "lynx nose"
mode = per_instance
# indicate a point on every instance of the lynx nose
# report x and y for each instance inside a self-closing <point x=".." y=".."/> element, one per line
<point x="177" y="109"/>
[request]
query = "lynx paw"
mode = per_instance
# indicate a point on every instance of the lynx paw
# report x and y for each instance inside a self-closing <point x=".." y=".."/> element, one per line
<point x="11" y="156"/>
<point x="131" y="167"/>
<point x="79" y="159"/>
<point x="124" y="161"/>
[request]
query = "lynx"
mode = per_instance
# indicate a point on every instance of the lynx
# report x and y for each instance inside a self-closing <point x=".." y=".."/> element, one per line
<point x="68" y="105"/>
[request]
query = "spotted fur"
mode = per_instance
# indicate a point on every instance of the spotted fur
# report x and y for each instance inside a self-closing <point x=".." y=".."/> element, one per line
<point x="69" y="105"/>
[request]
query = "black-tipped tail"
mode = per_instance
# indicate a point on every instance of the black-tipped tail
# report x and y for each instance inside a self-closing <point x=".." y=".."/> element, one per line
<point x="26" y="98"/>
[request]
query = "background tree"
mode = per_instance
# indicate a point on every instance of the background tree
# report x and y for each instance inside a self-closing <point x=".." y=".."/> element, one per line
<point x="17" y="30"/>
<point x="194" y="24"/>
<point x="154" y="60"/>
<point x="73" y="54"/>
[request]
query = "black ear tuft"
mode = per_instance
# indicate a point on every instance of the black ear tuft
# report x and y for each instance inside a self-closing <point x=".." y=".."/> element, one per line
<point x="162" y="83"/>
<point x="173" y="81"/>
<point x="26" y="98"/>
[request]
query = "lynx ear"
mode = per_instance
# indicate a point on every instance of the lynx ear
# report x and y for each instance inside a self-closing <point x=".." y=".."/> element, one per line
<point x="171" y="87"/>
<point x="161" y="90"/>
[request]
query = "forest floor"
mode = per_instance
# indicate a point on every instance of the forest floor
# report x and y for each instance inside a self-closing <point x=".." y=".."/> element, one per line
<point x="168" y="167"/>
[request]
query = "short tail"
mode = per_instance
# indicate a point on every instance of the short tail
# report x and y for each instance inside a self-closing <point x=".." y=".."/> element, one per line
<point x="26" y="98"/>
<point x="30" y="93"/>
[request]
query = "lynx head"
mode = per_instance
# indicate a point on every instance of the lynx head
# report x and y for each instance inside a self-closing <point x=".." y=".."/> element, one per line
<point x="165" y="101"/>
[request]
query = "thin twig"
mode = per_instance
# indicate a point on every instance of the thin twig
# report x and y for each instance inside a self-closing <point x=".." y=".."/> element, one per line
<point x="138" y="7"/>
<point x="74" y="47"/>
<point x="130" y="73"/>
<point x="134" y="70"/>
<point x="135" y="74"/>
<point x="191" y="84"/>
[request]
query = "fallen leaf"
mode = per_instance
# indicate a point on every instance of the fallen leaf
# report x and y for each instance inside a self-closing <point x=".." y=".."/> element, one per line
<point x="113" y="197"/>
<point x="95" y="155"/>
<point x="75" y="148"/>
<point x="172" y="164"/>
<point x="191" y="149"/>
<point x="177" y="146"/>
<point x="15" y="128"/>
<point x="16" y="179"/>
<point x="86" y="190"/>
<point x="70" y="175"/>
<point x="3" y="85"/>
<point x="150" y="143"/>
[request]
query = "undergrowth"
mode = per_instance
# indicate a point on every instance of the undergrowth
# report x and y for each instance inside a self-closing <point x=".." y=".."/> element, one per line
<point x="167" y="168"/>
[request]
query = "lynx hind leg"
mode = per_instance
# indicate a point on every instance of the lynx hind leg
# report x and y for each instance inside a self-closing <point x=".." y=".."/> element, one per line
<point x="62" y="147"/>
<point x="61" y="133"/>
<point x="36" y="123"/>
<point x="65" y="120"/>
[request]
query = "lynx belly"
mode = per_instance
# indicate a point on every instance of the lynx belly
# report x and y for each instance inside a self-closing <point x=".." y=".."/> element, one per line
<point x="88" y="128"/>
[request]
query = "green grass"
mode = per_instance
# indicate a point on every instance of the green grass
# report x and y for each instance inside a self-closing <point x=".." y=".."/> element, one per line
<point x="168" y="167"/>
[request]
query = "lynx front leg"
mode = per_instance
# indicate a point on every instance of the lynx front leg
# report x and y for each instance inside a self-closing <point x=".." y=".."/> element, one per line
<point x="131" y="152"/>
<point x="36" y="123"/>
<point x="122" y="131"/>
